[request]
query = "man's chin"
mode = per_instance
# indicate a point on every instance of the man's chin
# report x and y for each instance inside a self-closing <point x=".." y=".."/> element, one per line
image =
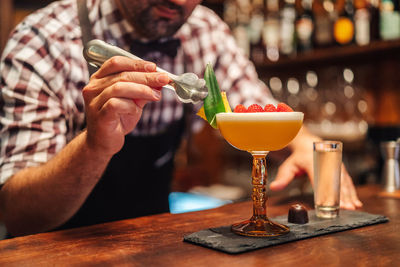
<point x="159" y="30"/>
<point x="156" y="36"/>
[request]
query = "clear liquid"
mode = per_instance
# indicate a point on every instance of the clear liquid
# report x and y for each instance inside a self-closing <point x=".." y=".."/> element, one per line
<point x="327" y="169"/>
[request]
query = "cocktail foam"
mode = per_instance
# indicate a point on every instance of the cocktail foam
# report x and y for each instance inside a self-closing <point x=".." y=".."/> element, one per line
<point x="261" y="116"/>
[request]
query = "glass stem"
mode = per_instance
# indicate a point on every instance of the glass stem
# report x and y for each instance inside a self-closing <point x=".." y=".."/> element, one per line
<point x="259" y="181"/>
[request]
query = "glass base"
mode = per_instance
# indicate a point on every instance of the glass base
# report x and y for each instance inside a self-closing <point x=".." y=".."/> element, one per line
<point x="260" y="228"/>
<point x="327" y="212"/>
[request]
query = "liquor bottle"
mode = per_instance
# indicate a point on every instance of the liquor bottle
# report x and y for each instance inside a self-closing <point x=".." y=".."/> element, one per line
<point x="230" y="13"/>
<point x="324" y="14"/>
<point x="343" y="29"/>
<point x="240" y="29"/>
<point x="373" y="7"/>
<point x="362" y="22"/>
<point x="389" y="20"/>
<point x="305" y="27"/>
<point x="270" y="34"/>
<point x="257" y="49"/>
<point x="287" y="31"/>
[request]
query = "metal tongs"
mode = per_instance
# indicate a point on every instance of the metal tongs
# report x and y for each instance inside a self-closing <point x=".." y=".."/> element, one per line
<point x="188" y="87"/>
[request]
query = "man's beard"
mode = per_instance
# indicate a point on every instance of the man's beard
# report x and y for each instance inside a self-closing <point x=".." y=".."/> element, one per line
<point x="154" y="28"/>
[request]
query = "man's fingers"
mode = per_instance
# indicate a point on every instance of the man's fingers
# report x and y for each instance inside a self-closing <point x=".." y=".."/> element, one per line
<point x="353" y="198"/>
<point x="135" y="79"/>
<point x="348" y="194"/>
<point x="126" y="90"/>
<point x="357" y="202"/>
<point x="345" y="200"/>
<point x="140" y="102"/>
<point x="285" y="175"/>
<point x="154" y="79"/>
<point x="119" y="64"/>
<point x="289" y="169"/>
<point x="125" y="78"/>
<point x="115" y="107"/>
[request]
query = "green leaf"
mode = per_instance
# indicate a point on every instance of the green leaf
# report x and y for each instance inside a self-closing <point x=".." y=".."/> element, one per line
<point x="213" y="103"/>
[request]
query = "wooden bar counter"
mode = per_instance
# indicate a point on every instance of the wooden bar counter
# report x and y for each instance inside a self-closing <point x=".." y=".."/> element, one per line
<point x="157" y="241"/>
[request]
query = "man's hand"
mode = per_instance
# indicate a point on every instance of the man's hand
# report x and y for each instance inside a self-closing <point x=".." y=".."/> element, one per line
<point x="301" y="161"/>
<point x="115" y="97"/>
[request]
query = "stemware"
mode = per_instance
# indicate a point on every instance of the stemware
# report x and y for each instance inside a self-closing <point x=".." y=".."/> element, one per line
<point x="259" y="133"/>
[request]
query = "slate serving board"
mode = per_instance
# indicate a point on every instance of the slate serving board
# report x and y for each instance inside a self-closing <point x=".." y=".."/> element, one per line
<point x="222" y="239"/>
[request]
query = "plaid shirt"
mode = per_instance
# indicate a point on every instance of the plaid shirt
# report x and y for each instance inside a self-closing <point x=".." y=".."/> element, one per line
<point x="43" y="72"/>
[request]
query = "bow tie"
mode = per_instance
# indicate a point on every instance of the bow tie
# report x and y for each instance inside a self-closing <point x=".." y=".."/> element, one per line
<point x="168" y="47"/>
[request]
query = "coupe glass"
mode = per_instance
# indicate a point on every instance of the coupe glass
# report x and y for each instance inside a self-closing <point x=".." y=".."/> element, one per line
<point x="259" y="133"/>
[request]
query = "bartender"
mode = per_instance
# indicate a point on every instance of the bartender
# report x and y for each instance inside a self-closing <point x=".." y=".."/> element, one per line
<point x="77" y="151"/>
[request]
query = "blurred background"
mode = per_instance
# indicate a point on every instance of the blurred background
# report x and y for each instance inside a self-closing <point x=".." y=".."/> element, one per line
<point x="337" y="61"/>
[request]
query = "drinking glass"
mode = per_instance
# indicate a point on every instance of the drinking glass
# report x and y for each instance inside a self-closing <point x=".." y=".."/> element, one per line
<point x="327" y="170"/>
<point x="258" y="134"/>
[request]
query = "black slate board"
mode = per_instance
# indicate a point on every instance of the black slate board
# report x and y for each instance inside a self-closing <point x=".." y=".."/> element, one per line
<point x="222" y="239"/>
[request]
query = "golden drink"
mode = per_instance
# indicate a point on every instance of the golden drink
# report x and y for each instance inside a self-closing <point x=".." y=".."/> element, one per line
<point x="264" y="131"/>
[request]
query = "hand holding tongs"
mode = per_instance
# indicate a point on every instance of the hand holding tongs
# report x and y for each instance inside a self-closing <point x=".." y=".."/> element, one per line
<point x="187" y="86"/>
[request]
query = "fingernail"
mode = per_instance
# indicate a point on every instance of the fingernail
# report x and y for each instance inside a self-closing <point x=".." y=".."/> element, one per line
<point x="163" y="78"/>
<point x="157" y="93"/>
<point x="150" y="67"/>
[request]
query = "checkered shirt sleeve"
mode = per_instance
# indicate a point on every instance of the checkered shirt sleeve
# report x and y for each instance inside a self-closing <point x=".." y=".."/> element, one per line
<point x="35" y="103"/>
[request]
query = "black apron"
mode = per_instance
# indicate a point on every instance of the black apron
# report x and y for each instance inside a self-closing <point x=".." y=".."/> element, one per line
<point x="136" y="182"/>
<point x="137" y="179"/>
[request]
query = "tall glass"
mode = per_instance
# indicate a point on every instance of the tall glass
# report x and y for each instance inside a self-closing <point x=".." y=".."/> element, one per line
<point x="259" y="133"/>
<point x="327" y="170"/>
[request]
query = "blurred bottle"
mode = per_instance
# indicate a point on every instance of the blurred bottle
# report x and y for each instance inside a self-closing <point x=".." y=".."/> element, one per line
<point x="362" y="22"/>
<point x="257" y="49"/>
<point x="343" y="29"/>
<point x="275" y="83"/>
<point x="305" y="27"/>
<point x="391" y="170"/>
<point x="230" y="13"/>
<point x="310" y="98"/>
<point x="270" y="34"/>
<point x="325" y="14"/>
<point x="348" y="96"/>
<point x="389" y="19"/>
<point x="373" y="7"/>
<point x="287" y="28"/>
<point x="293" y="88"/>
<point x="240" y="28"/>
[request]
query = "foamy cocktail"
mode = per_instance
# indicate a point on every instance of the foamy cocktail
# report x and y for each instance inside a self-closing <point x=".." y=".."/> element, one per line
<point x="259" y="133"/>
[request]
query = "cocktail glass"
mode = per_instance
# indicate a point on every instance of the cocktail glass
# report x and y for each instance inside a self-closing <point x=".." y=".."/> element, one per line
<point x="259" y="133"/>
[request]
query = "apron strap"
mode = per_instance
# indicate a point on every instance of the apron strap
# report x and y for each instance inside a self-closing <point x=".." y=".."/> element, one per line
<point x="86" y="28"/>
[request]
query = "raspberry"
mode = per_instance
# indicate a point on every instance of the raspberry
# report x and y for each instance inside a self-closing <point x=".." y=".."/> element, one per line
<point x="240" y="109"/>
<point x="282" y="107"/>
<point x="255" y="108"/>
<point x="269" y="108"/>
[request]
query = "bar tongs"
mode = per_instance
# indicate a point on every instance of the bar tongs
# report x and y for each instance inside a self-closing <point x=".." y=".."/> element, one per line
<point x="188" y="87"/>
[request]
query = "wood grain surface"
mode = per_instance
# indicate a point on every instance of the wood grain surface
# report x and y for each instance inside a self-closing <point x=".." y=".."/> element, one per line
<point x="158" y="241"/>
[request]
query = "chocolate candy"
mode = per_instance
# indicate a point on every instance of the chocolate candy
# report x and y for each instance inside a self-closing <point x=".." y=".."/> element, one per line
<point x="298" y="214"/>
